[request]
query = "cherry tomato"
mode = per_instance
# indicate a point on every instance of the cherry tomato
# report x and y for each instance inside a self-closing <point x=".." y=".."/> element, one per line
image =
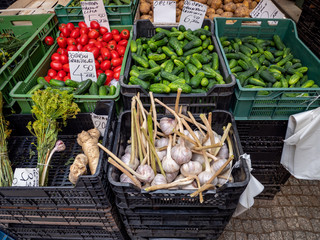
<point x="105" y="65"/>
<point x="64" y="59"/>
<point x="115" y="31"/>
<point x="99" y="71"/>
<point x="47" y="78"/>
<point x="72" y="48"/>
<point x="103" y="30"/>
<point x="94" y="25"/>
<point x="109" y="74"/>
<point x="65" y="32"/>
<point x="82" y="24"/>
<point x="98" y="44"/>
<point x="84" y="39"/>
<point x="117" y="37"/>
<point x="58" y="78"/>
<point x="49" y="40"/>
<point x="105" y="53"/>
<point x="116" y="75"/>
<point x="52" y="73"/>
<point x="62" y="42"/>
<point x="75" y="33"/>
<point x="117" y="69"/>
<point x="85" y="48"/>
<point x="79" y="47"/>
<point x="61" y="74"/>
<point x="56" y="65"/>
<point x="93" y="34"/>
<point x="65" y="78"/>
<point x="95" y="51"/>
<point x="100" y="59"/>
<point x="97" y="64"/>
<point x="70" y="26"/>
<point x="104" y="44"/>
<point x="115" y="62"/>
<point x="66" y="68"/>
<point x="62" y="51"/>
<point x="84" y="31"/>
<point x="125" y="34"/>
<point x="107" y="37"/>
<point x="62" y="26"/>
<point x="71" y="41"/>
<point x="121" y="50"/>
<point x="114" y="54"/>
<point x="111" y="46"/>
<point x="55" y="57"/>
<point x="100" y="39"/>
<point x="92" y="42"/>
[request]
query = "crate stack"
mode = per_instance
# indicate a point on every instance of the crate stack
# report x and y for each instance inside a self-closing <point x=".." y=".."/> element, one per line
<point x="262" y="118"/>
<point x="308" y="25"/>
<point x="61" y="210"/>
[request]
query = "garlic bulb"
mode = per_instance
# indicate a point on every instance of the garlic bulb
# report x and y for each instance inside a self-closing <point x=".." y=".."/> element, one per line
<point x="179" y="177"/>
<point x="192" y="185"/>
<point x="167" y="125"/>
<point x="147" y="172"/>
<point x="171" y="176"/>
<point x="216" y="165"/>
<point x="168" y="164"/>
<point x="126" y="159"/>
<point x="198" y="135"/>
<point x="205" y="176"/>
<point x="162" y="142"/>
<point x="198" y="158"/>
<point x="181" y="154"/>
<point x="159" y="179"/>
<point x="224" y="152"/>
<point x="125" y="179"/>
<point x="217" y="139"/>
<point x="191" y="168"/>
<point x="128" y="149"/>
<point x="161" y="154"/>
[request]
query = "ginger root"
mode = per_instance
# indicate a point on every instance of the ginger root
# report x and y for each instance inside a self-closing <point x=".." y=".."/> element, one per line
<point x="78" y="168"/>
<point x="88" y="140"/>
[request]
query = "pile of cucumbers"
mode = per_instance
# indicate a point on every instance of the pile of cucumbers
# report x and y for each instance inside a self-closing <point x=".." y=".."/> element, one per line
<point x="87" y="87"/>
<point x="175" y="58"/>
<point x="259" y="63"/>
<point x="76" y="3"/>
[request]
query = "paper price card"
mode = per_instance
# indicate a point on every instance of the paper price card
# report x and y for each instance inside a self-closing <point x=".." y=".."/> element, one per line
<point x="99" y="122"/>
<point x="266" y="9"/>
<point x="164" y="11"/>
<point x="192" y="15"/>
<point x="95" y="11"/>
<point x="26" y="177"/>
<point x="82" y="66"/>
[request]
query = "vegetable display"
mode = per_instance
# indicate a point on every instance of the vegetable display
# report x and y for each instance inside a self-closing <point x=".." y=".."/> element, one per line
<point x="174" y="153"/>
<point x="76" y="3"/>
<point x="6" y="174"/>
<point x="216" y="8"/>
<point x="259" y="63"/>
<point x="51" y="109"/>
<point x="175" y="59"/>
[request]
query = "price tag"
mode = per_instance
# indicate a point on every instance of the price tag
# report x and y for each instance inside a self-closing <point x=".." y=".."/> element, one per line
<point x="266" y="9"/>
<point x="95" y="11"/>
<point x="192" y="15"/>
<point x="26" y="177"/>
<point x="100" y="122"/>
<point x="82" y="66"/>
<point x="164" y="11"/>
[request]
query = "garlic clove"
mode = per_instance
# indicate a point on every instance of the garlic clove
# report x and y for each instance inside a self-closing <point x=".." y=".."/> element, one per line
<point x="159" y="179"/>
<point x="162" y="142"/>
<point x="167" y="125"/>
<point x="126" y="159"/>
<point x="125" y="179"/>
<point x="198" y="158"/>
<point x="147" y="172"/>
<point x="181" y="154"/>
<point x="205" y="176"/>
<point x="171" y="176"/>
<point x="161" y="154"/>
<point x="224" y="152"/>
<point x="191" y="168"/>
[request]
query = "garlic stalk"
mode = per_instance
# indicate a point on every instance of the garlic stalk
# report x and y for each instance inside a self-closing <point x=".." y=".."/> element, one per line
<point x="154" y="115"/>
<point x="138" y="136"/>
<point x="151" y="141"/>
<point x="180" y="182"/>
<point x="168" y="164"/>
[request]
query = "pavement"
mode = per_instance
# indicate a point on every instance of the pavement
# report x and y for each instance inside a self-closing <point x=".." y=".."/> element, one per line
<point x="294" y="214"/>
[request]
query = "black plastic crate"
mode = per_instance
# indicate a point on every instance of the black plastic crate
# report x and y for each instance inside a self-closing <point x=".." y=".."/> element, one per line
<point x="271" y="175"/>
<point x="269" y="192"/>
<point x="33" y="231"/>
<point x="219" y="97"/>
<point x="261" y="128"/>
<point x="129" y="196"/>
<point x="89" y="191"/>
<point x="6" y="3"/>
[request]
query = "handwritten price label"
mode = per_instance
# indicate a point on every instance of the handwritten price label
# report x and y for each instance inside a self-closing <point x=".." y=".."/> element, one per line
<point x="164" y="11"/>
<point x="95" y="11"/>
<point x="266" y="9"/>
<point x="26" y="177"/>
<point x="82" y="66"/>
<point x="192" y="15"/>
<point x="99" y="122"/>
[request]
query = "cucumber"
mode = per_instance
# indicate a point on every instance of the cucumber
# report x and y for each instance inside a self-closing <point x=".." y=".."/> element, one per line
<point x="137" y="81"/>
<point x="169" y="76"/>
<point x="158" y="36"/>
<point x="294" y="79"/>
<point x="192" y="51"/>
<point x="156" y="57"/>
<point x="277" y="41"/>
<point x="196" y="62"/>
<point x="102" y="78"/>
<point x="143" y="63"/>
<point x="232" y="56"/>
<point x="267" y="76"/>
<point x="35" y="88"/>
<point x="174" y="43"/>
<point x="71" y="83"/>
<point x="112" y="90"/>
<point x="308" y="84"/>
<point x="41" y="80"/>
<point x="146" y="76"/>
<point x="184" y="87"/>
<point x="168" y="52"/>
<point x="196" y="80"/>
<point x="233" y="63"/>
<point x="256" y="82"/>
<point x="169" y="66"/>
<point x="133" y="46"/>
<point x="83" y="87"/>
<point x="103" y="91"/>
<point x="159" y="88"/>
<point x="215" y="61"/>
<point x="94" y="89"/>
<point x="57" y="83"/>
<point x="192" y="69"/>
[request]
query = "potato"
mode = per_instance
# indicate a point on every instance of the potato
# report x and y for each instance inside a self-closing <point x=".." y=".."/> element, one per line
<point x="253" y="5"/>
<point x="238" y="5"/>
<point x="242" y="12"/>
<point x="150" y="13"/>
<point x="209" y="2"/>
<point x="237" y="1"/>
<point x="230" y="7"/>
<point x="227" y="1"/>
<point x="178" y="12"/>
<point x="210" y="11"/>
<point x="146" y="17"/>
<point x="178" y="18"/>
<point x="217" y="15"/>
<point x="216" y="4"/>
<point x="219" y="11"/>
<point x="201" y="1"/>
<point x="180" y="5"/>
<point x="246" y="3"/>
<point x="211" y="15"/>
<point x="227" y="14"/>
<point x="145" y="7"/>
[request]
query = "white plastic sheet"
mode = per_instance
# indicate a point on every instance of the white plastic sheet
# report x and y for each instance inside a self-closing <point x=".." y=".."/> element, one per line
<point x="301" y="151"/>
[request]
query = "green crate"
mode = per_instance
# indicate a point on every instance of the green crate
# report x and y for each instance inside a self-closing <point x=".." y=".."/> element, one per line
<point x="86" y="103"/>
<point x="248" y="104"/>
<point x="35" y="28"/>
<point x="117" y="15"/>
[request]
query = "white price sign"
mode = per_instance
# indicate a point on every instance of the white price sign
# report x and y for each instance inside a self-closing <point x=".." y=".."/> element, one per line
<point x="26" y="177"/>
<point x="99" y="122"/>
<point x="164" y="11"/>
<point x="266" y="9"/>
<point x="192" y="15"/>
<point x="95" y="11"/>
<point x="82" y="66"/>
